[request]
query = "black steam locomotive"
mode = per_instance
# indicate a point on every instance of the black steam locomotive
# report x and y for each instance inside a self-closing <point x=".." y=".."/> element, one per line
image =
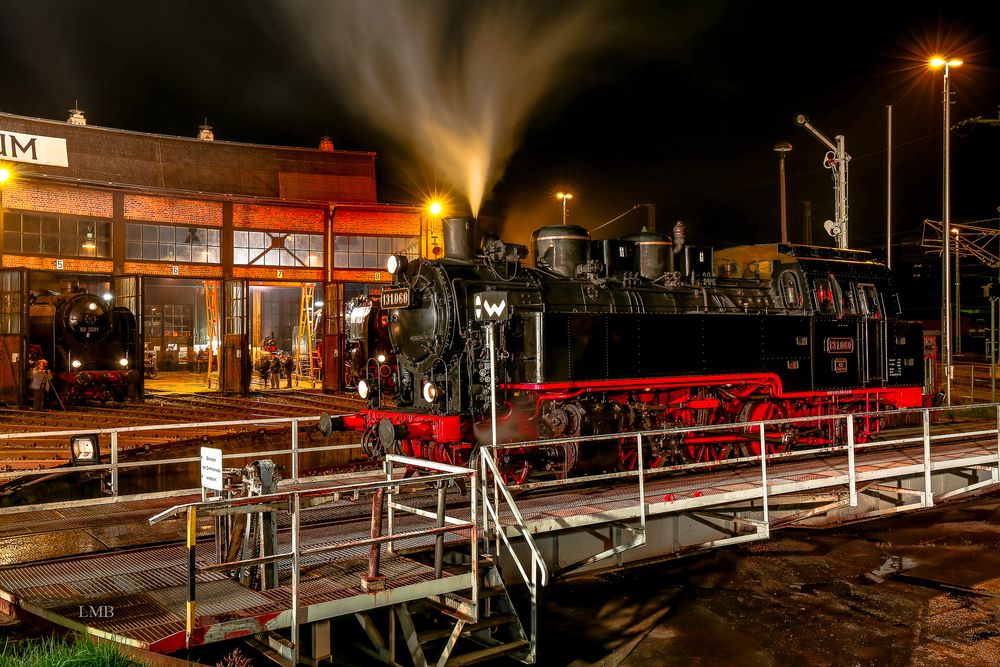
<point x="92" y="348"/>
<point x="605" y="336"/>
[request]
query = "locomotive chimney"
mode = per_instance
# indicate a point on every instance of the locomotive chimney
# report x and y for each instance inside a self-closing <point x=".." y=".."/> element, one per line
<point x="458" y="234"/>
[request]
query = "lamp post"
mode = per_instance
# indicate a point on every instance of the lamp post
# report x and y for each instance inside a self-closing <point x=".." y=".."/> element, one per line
<point x="565" y="196"/>
<point x="783" y="149"/>
<point x="936" y="63"/>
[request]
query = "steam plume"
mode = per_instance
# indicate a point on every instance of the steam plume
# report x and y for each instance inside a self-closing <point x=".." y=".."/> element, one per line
<point x="452" y="82"/>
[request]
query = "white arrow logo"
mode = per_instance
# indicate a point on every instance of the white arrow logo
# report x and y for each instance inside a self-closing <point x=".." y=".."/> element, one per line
<point x="494" y="311"/>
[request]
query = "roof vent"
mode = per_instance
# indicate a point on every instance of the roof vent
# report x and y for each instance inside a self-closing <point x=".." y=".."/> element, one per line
<point x="326" y="144"/>
<point x="205" y="132"/>
<point x="76" y="116"/>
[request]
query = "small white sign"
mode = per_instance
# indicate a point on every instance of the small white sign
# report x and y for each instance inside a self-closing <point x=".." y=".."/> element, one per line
<point x="211" y="468"/>
<point x="175" y="270"/>
<point x="31" y="148"/>
<point x="59" y="265"/>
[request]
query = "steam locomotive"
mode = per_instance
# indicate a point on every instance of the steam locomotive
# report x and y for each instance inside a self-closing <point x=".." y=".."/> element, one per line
<point x="92" y="348"/>
<point x="606" y="336"/>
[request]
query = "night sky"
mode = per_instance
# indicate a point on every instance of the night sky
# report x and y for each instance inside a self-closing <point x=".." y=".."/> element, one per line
<point x="677" y="103"/>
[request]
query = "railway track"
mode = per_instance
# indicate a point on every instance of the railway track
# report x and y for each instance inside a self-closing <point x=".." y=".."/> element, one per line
<point x="52" y="451"/>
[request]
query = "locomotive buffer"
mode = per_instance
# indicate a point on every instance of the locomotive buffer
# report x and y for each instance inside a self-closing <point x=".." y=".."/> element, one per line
<point x="491" y="307"/>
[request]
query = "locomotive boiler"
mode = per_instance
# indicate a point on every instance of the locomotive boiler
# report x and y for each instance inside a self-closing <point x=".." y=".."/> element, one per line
<point x="92" y="347"/>
<point x="606" y="336"/>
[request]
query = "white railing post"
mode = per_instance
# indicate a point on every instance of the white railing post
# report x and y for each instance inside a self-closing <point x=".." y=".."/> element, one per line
<point x="852" y="473"/>
<point x="928" y="494"/>
<point x="114" y="464"/>
<point x="295" y="450"/>
<point x="763" y="477"/>
<point x="642" y="482"/>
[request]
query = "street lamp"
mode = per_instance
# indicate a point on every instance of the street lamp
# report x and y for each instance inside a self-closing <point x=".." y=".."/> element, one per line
<point x="565" y="196"/>
<point x="935" y="63"/>
<point x="783" y="149"/>
<point x="958" y="292"/>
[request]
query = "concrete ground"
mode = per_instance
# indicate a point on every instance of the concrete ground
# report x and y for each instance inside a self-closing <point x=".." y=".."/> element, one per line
<point x="921" y="589"/>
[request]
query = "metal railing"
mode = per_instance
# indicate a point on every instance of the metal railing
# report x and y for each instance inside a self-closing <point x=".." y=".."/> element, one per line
<point x="114" y="466"/>
<point x="841" y="423"/>
<point x="297" y="502"/>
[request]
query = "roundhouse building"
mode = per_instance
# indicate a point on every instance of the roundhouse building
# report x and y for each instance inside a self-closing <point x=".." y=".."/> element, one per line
<point x="217" y="247"/>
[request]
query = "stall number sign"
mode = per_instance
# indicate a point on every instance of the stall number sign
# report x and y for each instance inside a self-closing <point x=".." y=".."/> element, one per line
<point x="491" y="307"/>
<point x="211" y="468"/>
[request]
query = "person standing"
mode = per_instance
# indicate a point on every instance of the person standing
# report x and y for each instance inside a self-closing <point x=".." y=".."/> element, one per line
<point x="40" y="378"/>
<point x="275" y="371"/>
<point x="264" y="366"/>
<point x="289" y="365"/>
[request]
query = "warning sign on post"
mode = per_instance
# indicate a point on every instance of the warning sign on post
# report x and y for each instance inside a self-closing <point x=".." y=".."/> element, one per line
<point x="211" y="468"/>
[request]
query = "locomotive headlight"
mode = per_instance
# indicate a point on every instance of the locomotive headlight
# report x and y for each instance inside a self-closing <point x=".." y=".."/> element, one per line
<point x="92" y="306"/>
<point x="363" y="389"/>
<point x="395" y="264"/>
<point x="430" y="392"/>
<point x="76" y="363"/>
<point x="123" y="362"/>
<point x="381" y="358"/>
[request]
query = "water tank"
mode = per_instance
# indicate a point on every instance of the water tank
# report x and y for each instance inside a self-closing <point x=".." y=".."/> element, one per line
<point x="560" y="248"/>
<point x="652" y="254"/>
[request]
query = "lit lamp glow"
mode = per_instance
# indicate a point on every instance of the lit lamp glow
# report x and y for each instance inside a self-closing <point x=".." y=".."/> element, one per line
<point x="435" y="208"/>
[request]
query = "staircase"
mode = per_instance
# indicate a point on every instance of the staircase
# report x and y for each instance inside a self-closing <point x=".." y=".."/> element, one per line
<point x="451" y="630"/>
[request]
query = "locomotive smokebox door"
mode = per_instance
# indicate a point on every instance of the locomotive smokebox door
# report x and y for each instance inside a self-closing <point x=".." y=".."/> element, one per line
<point x="491" y="307"/>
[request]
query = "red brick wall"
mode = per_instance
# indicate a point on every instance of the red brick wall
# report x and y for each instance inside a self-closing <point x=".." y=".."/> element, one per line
<point x="277" y="273"/>
<point x="183" y="270"/>
<point x="283" y="218"/>
<point x="173" y="209"/>
<point x="77" y="265"/>
<point x="373" y="221"/>
<point x="58" y="199"/>
<point x="361" y="276"/>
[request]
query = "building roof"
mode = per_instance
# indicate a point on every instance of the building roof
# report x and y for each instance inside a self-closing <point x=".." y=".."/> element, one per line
<point x="123" y="157"/>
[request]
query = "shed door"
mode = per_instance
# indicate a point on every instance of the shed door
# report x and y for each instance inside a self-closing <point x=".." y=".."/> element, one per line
<point x="13" y="331"/>
<point x="333" y="336"/>
<point x="235" y="369"/>
<point x="128" y="294"/>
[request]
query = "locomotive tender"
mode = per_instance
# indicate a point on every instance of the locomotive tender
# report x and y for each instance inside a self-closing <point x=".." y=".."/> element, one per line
<point x="605" y="337"/>
<point x="92" y="347"/>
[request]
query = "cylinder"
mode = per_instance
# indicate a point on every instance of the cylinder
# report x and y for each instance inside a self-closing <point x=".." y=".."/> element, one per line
<point x="561" y="248"/>
<point x="458" y="233"/>
<point x="652" y="254"/>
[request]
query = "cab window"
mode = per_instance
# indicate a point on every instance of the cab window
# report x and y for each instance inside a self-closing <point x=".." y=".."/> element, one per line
<point x="871" y="301"/>
<point x="826" y="301"/>
<point x="791" y="293"/>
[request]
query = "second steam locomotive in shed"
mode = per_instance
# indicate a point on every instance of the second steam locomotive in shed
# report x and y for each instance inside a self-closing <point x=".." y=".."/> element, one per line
<point x="606" y="336"/>
<point x="90" y="345"/>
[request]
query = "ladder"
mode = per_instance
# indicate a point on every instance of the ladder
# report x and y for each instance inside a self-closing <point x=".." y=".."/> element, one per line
<point x="307" y="308"/>
<point x="212" y="324"/>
